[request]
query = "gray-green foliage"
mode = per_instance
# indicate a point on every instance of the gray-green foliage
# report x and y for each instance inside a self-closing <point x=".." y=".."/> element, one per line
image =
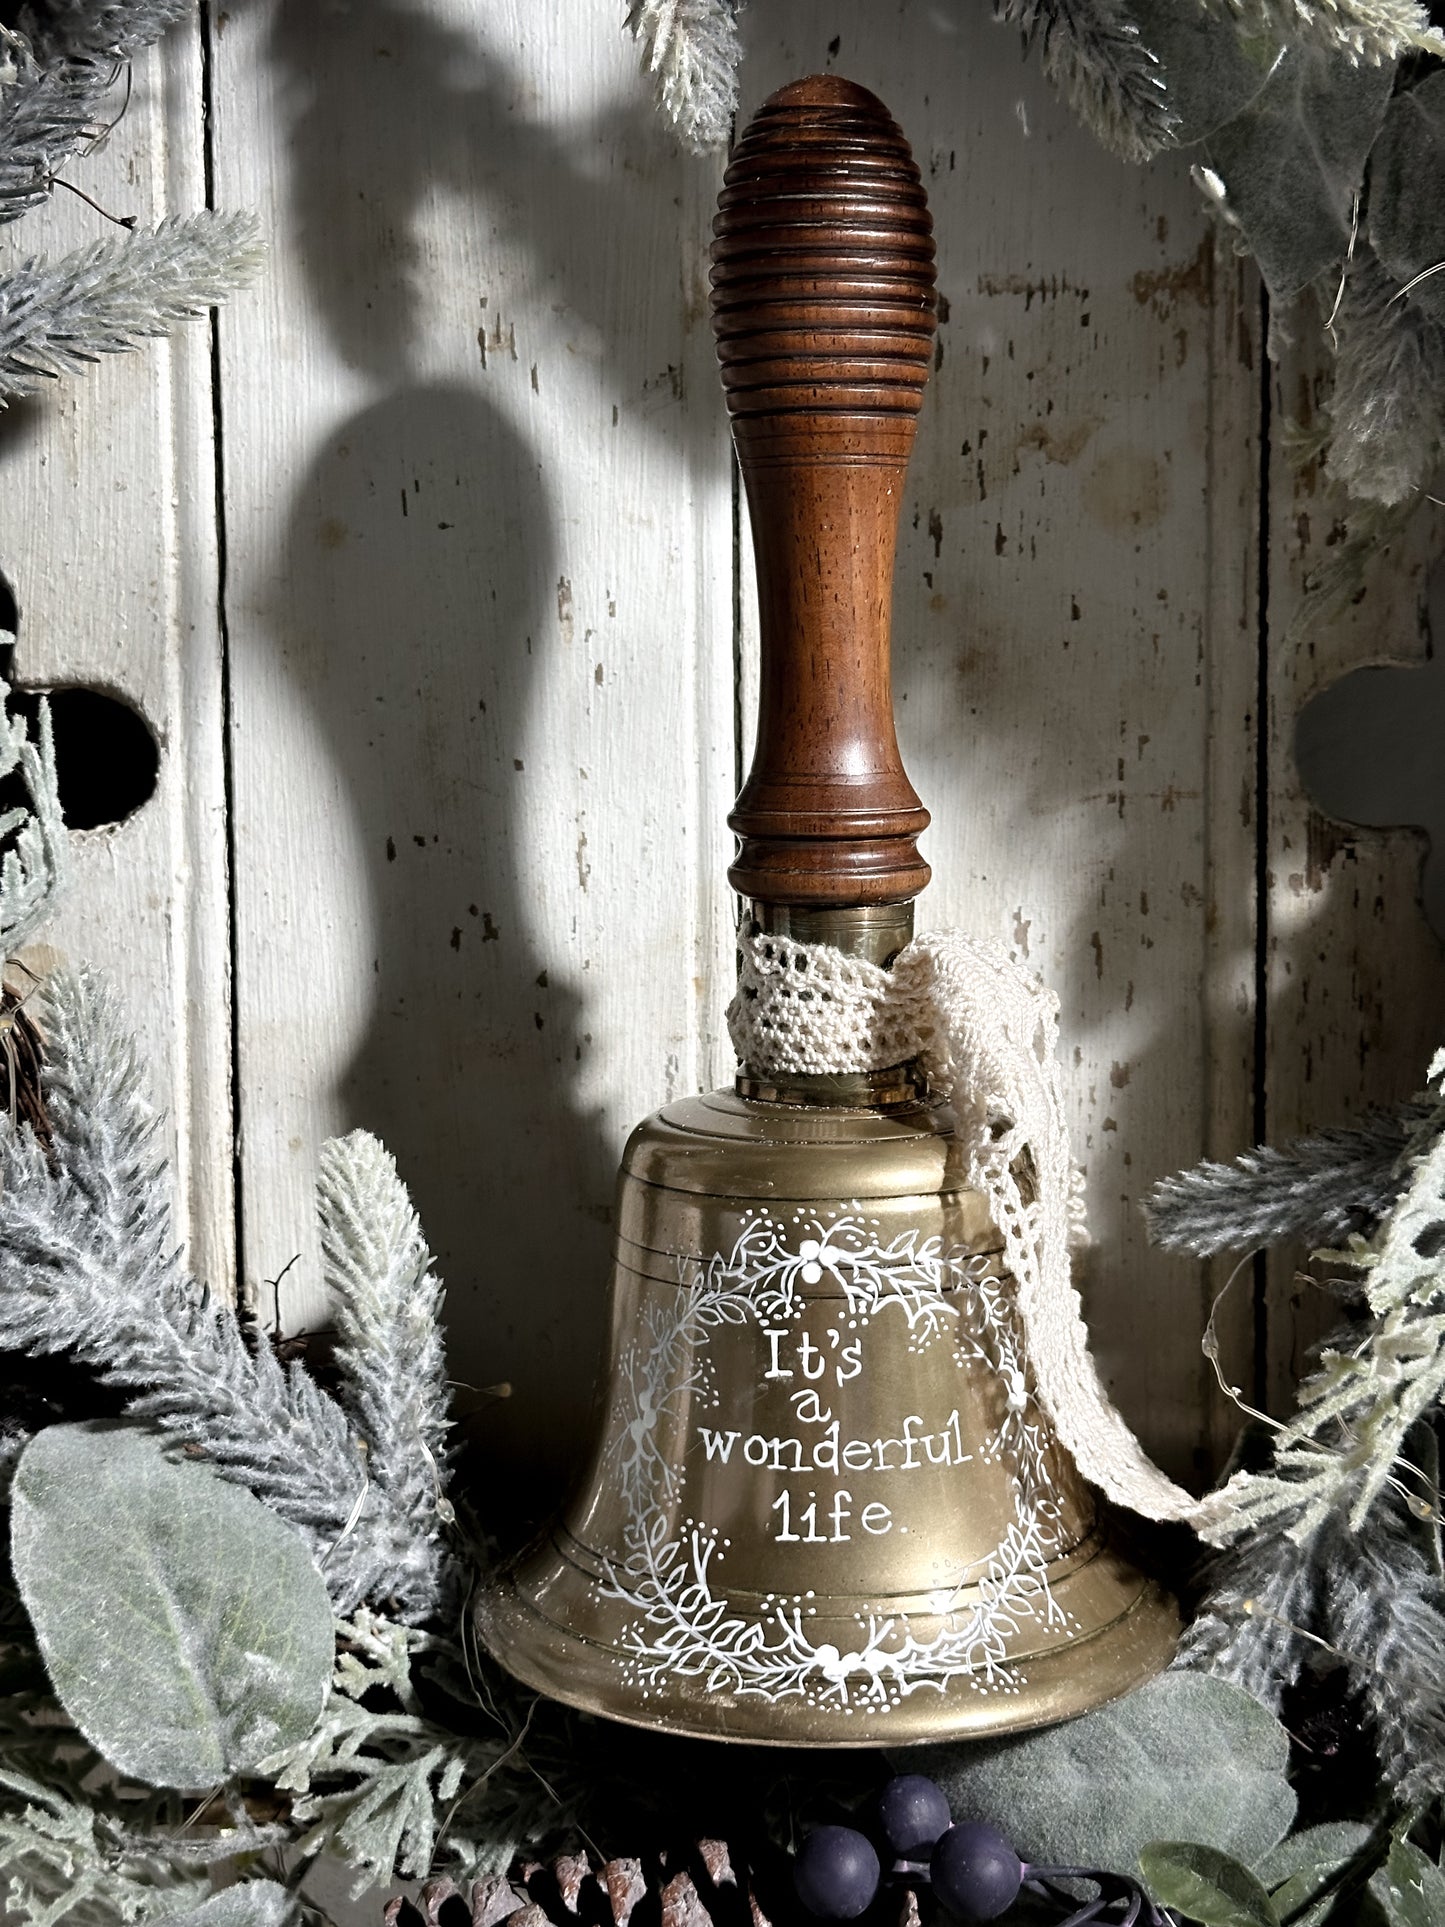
<point x="33" y="849"/>
<point x="185" y="1627"/>
<point x="384" y="1785"/>
<point x="65" y="1857"/>
<point x="1185" y="1757"/>
<point x="88" y="1265"/>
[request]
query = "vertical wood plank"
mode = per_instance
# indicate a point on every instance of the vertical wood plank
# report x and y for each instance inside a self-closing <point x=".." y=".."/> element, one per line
<point x="480" y="552"/>
<point x="1075" y="641"/>
<point x="110" y="546"/>
<point x="1356" y="977"/>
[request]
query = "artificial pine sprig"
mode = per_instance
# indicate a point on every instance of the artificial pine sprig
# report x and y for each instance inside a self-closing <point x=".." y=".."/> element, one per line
<point x="1093" y="53"/>
<point x="380" y="1276"/>
<point x="60" y="65"/>
<point x="88" y="1266"/>
<point x="1318" y="1190"/>
<point x="104" y="299"/>
<point x="692" y="51"/>
<point x="1345" y="1441"/>
<point x="1322" y="1546"/>
<point x="102" y="30"/>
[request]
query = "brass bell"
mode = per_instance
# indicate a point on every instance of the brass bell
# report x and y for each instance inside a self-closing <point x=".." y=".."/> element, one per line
<point x="825" y="1506"/>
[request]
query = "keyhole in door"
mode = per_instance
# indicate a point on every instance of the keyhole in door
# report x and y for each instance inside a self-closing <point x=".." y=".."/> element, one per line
<point x="106" y="758"/>
<point x="1370" y="750"/>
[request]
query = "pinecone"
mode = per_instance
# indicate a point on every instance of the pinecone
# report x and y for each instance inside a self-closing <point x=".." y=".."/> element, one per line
<point x="700" y="1887"/>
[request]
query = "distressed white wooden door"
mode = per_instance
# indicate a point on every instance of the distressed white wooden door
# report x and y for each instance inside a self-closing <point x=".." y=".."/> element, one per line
<point x="477" y="668"/>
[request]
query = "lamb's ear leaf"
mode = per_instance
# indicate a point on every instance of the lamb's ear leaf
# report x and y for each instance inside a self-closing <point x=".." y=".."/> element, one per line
<point x="185" y="1627"/>
<point x="1407" y="209"/>
<point x="1186" y="1753"/>
<point x="1211" y="70"/>
<point x="1293" y="161"/>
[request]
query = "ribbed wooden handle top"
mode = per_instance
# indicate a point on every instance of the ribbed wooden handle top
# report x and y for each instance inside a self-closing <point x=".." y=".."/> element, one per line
<point x="823" y="307"/>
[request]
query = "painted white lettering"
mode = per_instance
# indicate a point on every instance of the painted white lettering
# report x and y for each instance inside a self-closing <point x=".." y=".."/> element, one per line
<point x="785" y="1534"/>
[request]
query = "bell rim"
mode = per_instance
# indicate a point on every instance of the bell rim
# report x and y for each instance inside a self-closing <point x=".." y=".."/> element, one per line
<point x="1063" y="1683"/>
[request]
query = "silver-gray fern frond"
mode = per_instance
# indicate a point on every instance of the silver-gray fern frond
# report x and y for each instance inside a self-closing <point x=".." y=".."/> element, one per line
<point x="1364" y="30"/>
<point x="88" y="1265"/>
<point x="34" y="850"/>
<point x="691" y="49"/>
<point x="104" y="299"/>
<point x="1317" y="1190"/>
<point x="1092" y="52"/>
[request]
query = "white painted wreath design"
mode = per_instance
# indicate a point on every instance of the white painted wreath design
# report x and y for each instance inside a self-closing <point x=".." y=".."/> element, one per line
<point x="682" y="1627"/>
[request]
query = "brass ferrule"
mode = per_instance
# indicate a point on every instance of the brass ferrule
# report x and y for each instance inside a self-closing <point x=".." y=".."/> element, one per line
<point x="873" y="931"/>
<point x="876" y="933"/>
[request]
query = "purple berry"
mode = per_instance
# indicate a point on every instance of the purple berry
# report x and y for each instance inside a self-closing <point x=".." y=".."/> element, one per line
<point x="836" y="1873"/>
<point x="976" y="1873"/>
<point x="912" y="1812"/>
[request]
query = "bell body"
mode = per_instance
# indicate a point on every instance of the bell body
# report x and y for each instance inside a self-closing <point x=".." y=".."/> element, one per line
<point x="824" y="1506"/>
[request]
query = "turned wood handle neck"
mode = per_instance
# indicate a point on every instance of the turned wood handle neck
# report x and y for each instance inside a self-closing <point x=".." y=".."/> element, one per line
<point x="824" y="312"/>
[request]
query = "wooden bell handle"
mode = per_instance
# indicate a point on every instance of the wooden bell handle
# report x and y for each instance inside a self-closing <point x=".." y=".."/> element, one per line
<point x="823" y="307"/>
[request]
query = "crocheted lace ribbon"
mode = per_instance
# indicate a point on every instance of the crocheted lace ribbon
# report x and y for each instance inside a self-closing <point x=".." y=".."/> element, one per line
<point x="987" y="1034"/>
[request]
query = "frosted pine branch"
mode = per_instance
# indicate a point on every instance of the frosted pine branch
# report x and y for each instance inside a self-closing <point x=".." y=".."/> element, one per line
<point x="99" y="30"/>
<point x="60" y="69"/>
<point x="1341" y="1450"/>
<point x="388" y="1301"/>
<point x="88" y="1266"/>
<point x="692" y="51"/>
<point x="1317" y="1190"/>
<point x="46" y="113"/>
<point x="105" y="298"/>
<point x="1371" y="1595"/>
<point x="34" y="852"/>
<point x="1383" y="1606"/>
<point x="1251" y="1627"/>
<point x="1093" y="54"/>
<point x="1366" y="31"/>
